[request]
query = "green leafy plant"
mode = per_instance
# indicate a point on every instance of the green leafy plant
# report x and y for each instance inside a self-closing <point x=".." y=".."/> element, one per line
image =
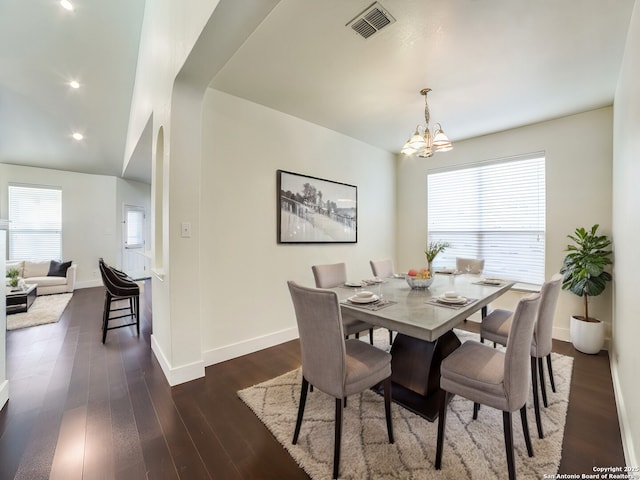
<point x="433" y="249"/>
<point x="584" y="266"/>
<point x="13" y="274"/>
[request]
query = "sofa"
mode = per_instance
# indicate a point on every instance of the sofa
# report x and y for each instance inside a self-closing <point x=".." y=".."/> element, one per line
<point x="51" y="276"/>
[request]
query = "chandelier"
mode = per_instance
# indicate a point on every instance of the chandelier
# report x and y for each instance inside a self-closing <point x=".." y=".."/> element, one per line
<point x="421" y="143"/>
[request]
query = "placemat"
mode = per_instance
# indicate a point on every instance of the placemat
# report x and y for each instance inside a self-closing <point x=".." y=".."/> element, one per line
<point x="378" y="305"/>
<point x="490" y="284"/>
<point x="433" y="301"/>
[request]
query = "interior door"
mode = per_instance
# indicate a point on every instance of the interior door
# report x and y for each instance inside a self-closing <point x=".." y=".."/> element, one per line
<point x="135" y="261"/>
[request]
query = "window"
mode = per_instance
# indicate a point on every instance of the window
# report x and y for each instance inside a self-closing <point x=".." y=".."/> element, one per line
<point x="495" y="211"/>
<point x="134" y="221"/>
<point x="35" y="223"/>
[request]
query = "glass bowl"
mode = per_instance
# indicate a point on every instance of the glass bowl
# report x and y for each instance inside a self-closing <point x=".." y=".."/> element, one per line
<point x="419" y="282"/>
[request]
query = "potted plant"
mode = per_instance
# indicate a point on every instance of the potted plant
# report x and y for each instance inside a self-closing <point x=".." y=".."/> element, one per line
<point x="433" y="249"/>
<point x="12" y="274"/>
<point x="584" y="274"/>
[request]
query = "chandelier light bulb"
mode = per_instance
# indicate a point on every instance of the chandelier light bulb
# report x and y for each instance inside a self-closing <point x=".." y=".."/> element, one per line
<point x="67" y="5"/>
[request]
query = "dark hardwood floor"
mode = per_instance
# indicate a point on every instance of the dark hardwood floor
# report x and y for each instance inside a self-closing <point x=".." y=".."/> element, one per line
<point x="80" y="409"/>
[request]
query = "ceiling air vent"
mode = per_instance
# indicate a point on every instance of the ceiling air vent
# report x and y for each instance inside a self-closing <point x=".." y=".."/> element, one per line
<point x="371" y="21"/>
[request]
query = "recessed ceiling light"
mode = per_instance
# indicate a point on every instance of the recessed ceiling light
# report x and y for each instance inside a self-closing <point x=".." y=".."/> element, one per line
<point x="77" y="136"/>
<point x="74" y="84"/>
<point x="67" y="5"/>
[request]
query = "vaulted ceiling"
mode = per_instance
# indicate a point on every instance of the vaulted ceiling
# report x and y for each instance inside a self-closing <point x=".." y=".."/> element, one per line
<point x="492" y="65"/>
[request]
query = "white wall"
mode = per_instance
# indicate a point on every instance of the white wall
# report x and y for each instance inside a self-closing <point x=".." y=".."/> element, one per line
<point x="4" y="383"/>
<point x="245" y="303"/>
<point x="578" y="152"/>
<point x="90" y="213"/>
<point x="626" y="230"/>
<point x="169" y="31"/>
<point x="137" y="194"/>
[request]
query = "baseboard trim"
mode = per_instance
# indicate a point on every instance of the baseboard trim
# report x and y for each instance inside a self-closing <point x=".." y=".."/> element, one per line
<point x="623" y="417"/>
<point x="176" y="375"/>
<point x="561" y="334"/>
<point x="88" y="284"/>
<point x="227" y="352"/>
<point x="4" y="393"/>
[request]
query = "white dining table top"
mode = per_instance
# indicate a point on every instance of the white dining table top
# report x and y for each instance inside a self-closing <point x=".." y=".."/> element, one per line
<point x="412" y="315"/>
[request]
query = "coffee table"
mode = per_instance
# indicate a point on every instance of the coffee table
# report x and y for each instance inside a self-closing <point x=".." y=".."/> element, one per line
<point x="21" y="300"/>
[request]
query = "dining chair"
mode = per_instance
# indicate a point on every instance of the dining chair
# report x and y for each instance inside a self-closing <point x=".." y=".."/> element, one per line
<point x="118" y="287"/>
<point x="382" y="268"/>
<point x="494" y="378"/>
<point x="470" y="265"/>
<point x="336" y="366"/>
<point x="496" y="326"/>
<point x="334" y="275"/>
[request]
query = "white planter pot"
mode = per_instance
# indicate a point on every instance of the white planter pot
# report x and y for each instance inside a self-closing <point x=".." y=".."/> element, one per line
<point x="587" y="337"/>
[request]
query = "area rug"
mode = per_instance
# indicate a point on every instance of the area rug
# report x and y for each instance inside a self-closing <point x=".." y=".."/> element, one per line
<point x="474" y="449"/>
<point x="45" y="309"/>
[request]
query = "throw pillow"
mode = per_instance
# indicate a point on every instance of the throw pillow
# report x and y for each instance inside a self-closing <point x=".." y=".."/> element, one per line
<point x="58" y="269"/>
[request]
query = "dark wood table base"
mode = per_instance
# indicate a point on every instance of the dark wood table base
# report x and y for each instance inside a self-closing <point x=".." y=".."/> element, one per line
<point x="415" y="372"/>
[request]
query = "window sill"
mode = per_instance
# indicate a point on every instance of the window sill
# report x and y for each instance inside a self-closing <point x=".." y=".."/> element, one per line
<point x="526" y="287"/>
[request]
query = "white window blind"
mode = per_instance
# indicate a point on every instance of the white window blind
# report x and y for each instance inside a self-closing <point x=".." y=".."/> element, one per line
<point x="135" y="227"/>
<point x="494" y="211"/>
<point x="35" y="223"/>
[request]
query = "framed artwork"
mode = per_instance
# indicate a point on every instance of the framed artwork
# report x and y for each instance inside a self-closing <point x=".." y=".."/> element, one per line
<point x="314" y="210"/>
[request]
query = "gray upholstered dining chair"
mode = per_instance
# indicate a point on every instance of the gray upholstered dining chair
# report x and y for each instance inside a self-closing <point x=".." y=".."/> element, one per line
<point x="497" y="325"/>
<point x="494" y="378"/>
<point x="336" y="366"/>
<point x="470" y="265"/>
<point x="382" y="268"/>
<point x="334" y="275"/>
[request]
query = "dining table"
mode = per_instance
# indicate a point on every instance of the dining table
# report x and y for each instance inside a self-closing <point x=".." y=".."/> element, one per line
<point x="424" y="320"/>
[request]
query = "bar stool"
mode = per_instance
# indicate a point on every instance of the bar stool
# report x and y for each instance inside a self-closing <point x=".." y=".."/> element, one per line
<point x="119" y="287"/>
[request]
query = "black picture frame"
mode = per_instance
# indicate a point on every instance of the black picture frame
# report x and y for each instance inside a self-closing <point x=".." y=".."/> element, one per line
<point x="315" y="210"/>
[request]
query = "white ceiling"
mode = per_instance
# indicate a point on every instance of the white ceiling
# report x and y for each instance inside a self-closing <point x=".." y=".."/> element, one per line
<point x="492" y="65"/>
<point x="43" y="47"/>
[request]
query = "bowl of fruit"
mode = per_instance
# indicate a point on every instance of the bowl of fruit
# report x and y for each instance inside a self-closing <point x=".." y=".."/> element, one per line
<point x="419" y="278"/>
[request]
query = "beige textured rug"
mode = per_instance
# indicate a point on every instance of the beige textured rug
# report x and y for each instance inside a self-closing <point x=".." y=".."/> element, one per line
<point x="45" y="309"/>
<point x="474" y="449"/>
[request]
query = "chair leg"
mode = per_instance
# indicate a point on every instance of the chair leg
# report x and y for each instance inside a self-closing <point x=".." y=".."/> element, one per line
<point x="553" y="384"/>
<point x="303" y="400"/>
<point x="543" y="387"/>
<point x="137" y="305"/>
<point x="387" y="408"/>
<point x="476" y="407"/>
<point x="371" y="336"/>
<point x="536" y="400"/>
<point x="508" y="444"/>
<point x="338" y="436"/>
<point x="442" y="420"/>
<point x="105" y="318"/>
<point x="525" y="429"/>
